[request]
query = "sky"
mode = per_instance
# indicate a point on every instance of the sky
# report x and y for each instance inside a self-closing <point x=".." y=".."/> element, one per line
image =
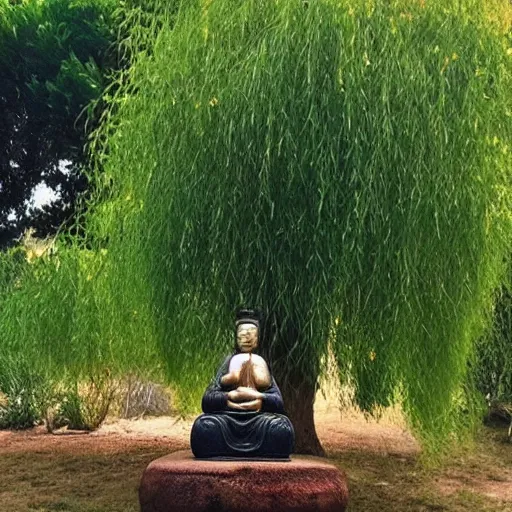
<point x="41" y="195"/>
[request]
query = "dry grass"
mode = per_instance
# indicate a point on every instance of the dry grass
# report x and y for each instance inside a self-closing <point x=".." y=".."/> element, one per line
<point x="477" y="481"/>
<point x="100" y="472"/>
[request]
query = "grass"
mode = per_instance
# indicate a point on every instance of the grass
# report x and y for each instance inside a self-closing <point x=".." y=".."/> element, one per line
<point x="65" y="478"/>
<point x="381" y="482"/>
<point x="44" y="482"/>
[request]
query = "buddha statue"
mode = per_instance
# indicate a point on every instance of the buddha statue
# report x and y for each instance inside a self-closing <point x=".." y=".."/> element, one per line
<point x="243" y="407"/>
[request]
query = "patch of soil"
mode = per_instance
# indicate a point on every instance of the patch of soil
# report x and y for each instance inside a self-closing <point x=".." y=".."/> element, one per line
<point x="38" y="440"/>
<point x="501" y="490"/>
<point x="351" y="430"/>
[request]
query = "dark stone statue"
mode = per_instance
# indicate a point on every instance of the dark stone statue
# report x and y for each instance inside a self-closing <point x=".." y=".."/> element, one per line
<point x="243" y="407"/>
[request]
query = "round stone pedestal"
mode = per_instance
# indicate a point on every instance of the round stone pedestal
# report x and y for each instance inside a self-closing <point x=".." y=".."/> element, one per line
<point x="180" y="483"/>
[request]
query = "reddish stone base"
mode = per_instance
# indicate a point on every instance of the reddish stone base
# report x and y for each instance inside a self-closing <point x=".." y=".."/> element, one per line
<point x="180" y="483"/>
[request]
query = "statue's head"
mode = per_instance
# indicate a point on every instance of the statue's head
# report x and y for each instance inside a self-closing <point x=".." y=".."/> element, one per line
<point x="247" y="326"/>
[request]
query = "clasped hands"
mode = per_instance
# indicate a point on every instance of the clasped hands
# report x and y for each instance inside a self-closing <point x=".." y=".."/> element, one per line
<point x="242" y="398"/>
<point x="245" y="399"/>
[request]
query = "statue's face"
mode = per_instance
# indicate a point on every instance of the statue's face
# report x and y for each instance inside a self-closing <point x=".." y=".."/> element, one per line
<point x="247" y="337"/>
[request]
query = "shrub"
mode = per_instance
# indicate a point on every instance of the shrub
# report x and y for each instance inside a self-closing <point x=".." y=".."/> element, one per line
<point x="19" y="387"/>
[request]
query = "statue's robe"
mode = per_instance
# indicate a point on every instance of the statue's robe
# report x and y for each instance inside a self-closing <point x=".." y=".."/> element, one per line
<point x="222" y="432"/>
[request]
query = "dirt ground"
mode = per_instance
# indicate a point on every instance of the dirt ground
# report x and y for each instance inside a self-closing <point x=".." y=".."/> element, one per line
<point x="100" y="471"/>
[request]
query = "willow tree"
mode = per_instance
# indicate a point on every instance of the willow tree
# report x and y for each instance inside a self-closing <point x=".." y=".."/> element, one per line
<point x="342" y="165"/>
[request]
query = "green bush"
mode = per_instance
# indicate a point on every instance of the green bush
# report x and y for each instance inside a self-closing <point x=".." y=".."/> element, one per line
<point x="86" y="404"/>
<point x="20" y="387"/>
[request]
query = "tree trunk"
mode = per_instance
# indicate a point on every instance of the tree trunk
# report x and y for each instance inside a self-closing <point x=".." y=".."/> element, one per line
<point x="299" y="397"/>
<point x="298" y="385"/>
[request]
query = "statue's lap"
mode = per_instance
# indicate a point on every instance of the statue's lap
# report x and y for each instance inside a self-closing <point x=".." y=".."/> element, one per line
<point x="242" y="435"/>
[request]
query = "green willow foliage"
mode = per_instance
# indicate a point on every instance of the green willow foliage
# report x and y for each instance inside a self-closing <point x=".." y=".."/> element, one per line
<point x="344" y="165"/>
<point x="62" y="315"/>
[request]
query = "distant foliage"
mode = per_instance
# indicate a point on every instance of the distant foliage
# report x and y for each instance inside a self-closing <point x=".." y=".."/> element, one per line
<point x="55" y="58"/>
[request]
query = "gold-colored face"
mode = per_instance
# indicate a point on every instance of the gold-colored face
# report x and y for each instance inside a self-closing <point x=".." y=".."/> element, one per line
<point x="247" y="337"/>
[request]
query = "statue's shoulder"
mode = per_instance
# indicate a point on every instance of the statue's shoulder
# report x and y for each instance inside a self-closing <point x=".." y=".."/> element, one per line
<point x="241" y="356"/>
<point x="258" y="360"/>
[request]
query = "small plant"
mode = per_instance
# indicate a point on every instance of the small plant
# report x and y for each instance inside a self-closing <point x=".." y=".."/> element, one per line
<point x="70" y="410"/>
<point x="18" y="404"/>
<point x="86" y="405"/>
<point x="49" y="400"/>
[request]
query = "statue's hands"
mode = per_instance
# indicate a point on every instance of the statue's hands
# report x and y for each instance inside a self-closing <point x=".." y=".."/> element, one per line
<point x="231" y="378"/>
<point x="245" y="399"/>
<point x="253" y="405"/>
<point x="243" y="394"/>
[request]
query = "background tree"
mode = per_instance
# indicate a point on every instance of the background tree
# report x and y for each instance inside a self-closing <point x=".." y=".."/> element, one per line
<point x="55" y="58"/>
